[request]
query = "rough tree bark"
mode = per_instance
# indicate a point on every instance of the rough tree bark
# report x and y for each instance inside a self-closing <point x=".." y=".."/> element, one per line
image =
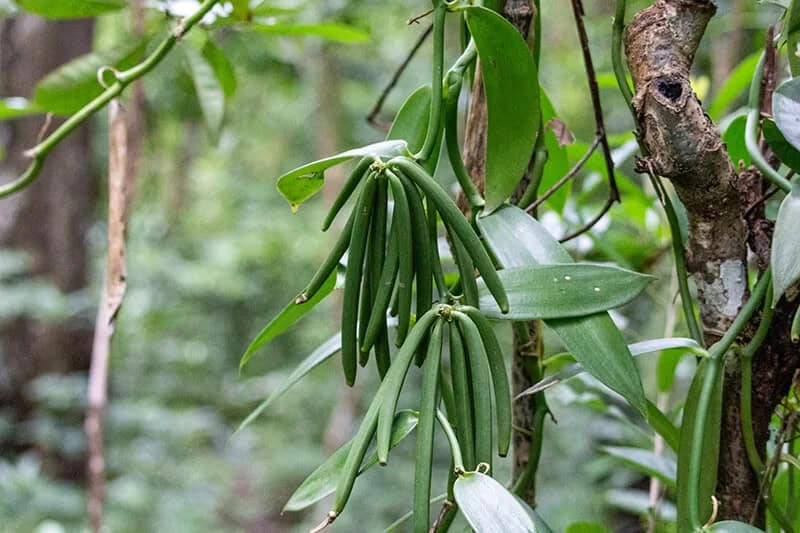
<point x="49" y="220"/>
<point x="520" y="14"/>
<point x="685" y="146"/>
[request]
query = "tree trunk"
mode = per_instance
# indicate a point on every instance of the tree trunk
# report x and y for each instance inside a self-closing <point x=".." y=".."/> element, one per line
<point x="48" y="221"/>
<point x="520" y="14"/>
<point x="686" y="147"/>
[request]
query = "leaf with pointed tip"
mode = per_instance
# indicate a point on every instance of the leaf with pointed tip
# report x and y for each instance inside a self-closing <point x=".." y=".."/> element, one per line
<point x="222" y="66"/>
<point x="290" y="314"/>
<point x="786" y="110"/>
<point x="314" y="359"/>
<point x="332" y="31"/>
<point x="518" y="240"/>
<point x="489" y="507"/>
<point x="562" y="290"/>
<point x="731" y="526"/>
<point x="70" y="9"/>
<point x="636" y="349"/>
<point x="411" y="125"/>
<point x="786" y="245"/>
<point x="512" y="101"/>
<point x="646" y="462"/>
<point x="210" y="94"/>
<point x="74" y="84"/>
<point x="322" y="481"/>
<point x="302" y="183"/>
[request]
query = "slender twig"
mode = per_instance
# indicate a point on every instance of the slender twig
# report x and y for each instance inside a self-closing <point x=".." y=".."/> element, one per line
<point x="373" y="114"/>
<point x="416" y="19"/>
<point x="600" y="129"/>
<point x="442" y="513"/>
<point x="568" y="176"/>
<point x="589" y="225"/>
<point x="766" y="196"/>
<point x="38" y="153"/>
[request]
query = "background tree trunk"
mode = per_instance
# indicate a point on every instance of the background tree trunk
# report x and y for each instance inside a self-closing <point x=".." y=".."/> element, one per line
<point x="48" y="221"/>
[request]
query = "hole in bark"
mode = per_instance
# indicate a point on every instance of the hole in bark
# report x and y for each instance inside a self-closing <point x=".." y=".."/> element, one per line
<point x="670" y="89"/>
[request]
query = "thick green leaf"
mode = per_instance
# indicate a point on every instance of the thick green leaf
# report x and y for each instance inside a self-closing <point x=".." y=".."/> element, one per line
<point x="734" y="140"/>
<point x="779" y="494"/>
<point x="731" y="526"/>
<point x="786" y="110"/>
<point x="16" y="107"/>
<point x="518" y="240"/>
<point x="70" y="9"/>
<point x="708" y="474"/>
<point x="586" y="527"/>
<point x="489" y="507"/>
<point x="316" y="358"/>
<point x="290" y="314"/>
<point x="678" y="344"/>
<point x="786" y="245"/>
<point x="788" y="154"/>
<point x="331" y="31"/>
<point x="210" y="93"/>
<point x="223" y="68"/>
<point x="512" y="101"/>
<point x="411" y="122"/>
<point x="734" y="86"/>
<point x="322" y="481"/>
<point x="562" y="290"/>
<point x="302" y="183"/>
<point x="74" y="84"/>
<point x="646" y="462"/>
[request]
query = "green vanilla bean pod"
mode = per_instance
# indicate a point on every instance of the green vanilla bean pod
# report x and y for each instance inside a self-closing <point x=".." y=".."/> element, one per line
<point x="352" y="280"/>
<point x="435" y="117"/>
<point x="376" y="252"/>
<point x="427" y="418"/>
<point x="366" y="295"/>
<point x="502" y="389"/>
<point x="462" y="397"/>
<point x="383" y="295"/>
<point x="394" y="381"/>
<point x="350" y="185"/>
<point x="466" y="271"/>
<point x="453" y="91"/>
<point x="330" y="263"/>
<point x="422" y="247"/>
<point x="452" y="217"/>
<point x="383" y="357"/>
<point x="433" y="238"/>
<point x="481" y="386"/>
<point x="405" y="275"/>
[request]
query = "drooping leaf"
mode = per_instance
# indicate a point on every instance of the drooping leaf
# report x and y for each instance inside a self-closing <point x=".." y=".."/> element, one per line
<point x="210" y="93"/>
<point x="16" y="107"/>
<point x="518" y="240"/>
<point x="323" y="352"/>
<point x="70" y="9"/>
<point x="788" y="154"/>
<point x="562" y="290"/>
<point x="734" y="140"/>
<point x="785" y="257"/>
<point x="302" y="183"/>
<point x="678" y="344"/>
<point x="331" y="31"/>
<point x="290" y="314"/>
<point x="322" y="481"/>
<point x="223" y="68"/>
<point x="731" y="526"/>
<point x="74" y="84"/>
<point x="710" y="457"/>
<point x="512" y="100"/>
<point x="786" y="110"/>
<point x="489" y="507"/>
<point x="734" y="86"/>
<point x="646" y="462"/>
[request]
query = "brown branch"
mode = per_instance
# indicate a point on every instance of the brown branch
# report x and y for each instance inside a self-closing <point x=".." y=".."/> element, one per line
<point x="373" y="114"/>
<point x="442" y="514"/>
<point x="111" y="299"/>
<point x="568" y="176"/>
<point x="591" y="76"/>
<point x="589" y="225"/>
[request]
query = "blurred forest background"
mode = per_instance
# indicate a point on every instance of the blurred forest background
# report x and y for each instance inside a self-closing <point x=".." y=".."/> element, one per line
<point x="215" y="252"/>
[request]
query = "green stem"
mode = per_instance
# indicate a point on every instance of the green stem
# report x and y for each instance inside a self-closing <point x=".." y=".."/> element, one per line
<point x="439" y="13"/>
<point x="39" y="152"/>
<point x="453" y="90"/>
<point x="616" y="55"/>
<point x="452" y="440"/>
<point x="745" y="395"/>
<point x="751" y="131"/>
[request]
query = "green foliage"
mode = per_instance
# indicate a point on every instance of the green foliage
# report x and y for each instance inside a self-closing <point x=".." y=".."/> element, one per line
<point x="785" y="257"/>
<point x="786" y="109"/>
<point x="68" y="9"/>
<point x="489" y="507"/>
